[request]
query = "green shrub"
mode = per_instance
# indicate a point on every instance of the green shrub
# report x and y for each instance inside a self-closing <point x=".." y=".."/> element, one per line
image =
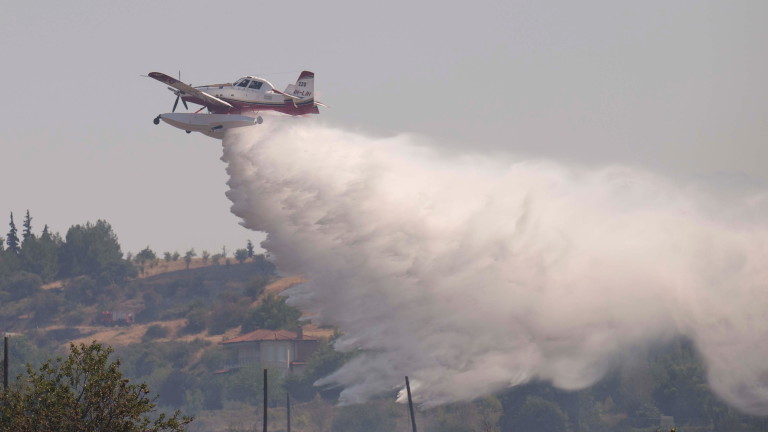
<point x="20" y="285"/>
<point x="215" y="358"/>
<point x="155" y="331"/>
<point x="76" y="315"/>
<point x="226" y="315"/>
<point x="256" y="285"/>
<point x="369" y="417"/>
<point x="273" y="314"/>
<point x="196" y="320"/>
<point x="81" y="289"/>
<point x="46" y="305"/>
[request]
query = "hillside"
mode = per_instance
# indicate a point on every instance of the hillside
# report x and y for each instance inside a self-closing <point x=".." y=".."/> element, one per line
<point x="183" y="314"/>
<point x="181" y="317"/>
<point x="126" y="335"/>
<point x="204" y="283"/>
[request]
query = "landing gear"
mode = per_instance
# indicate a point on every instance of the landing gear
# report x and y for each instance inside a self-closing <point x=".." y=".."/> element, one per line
<point x="188" y="131"/>
<point x="259" y="120"/>
<point x="156" y="120"/>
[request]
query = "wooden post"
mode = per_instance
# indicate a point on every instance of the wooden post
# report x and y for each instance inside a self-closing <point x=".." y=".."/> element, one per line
<point x="265" y="400"/>
<point x="288" y="411"/>
<point x="410" y="404"/>
<point x="5" y="362"/>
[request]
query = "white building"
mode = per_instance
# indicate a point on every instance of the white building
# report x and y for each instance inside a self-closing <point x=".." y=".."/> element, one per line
<point x="273" y="349"/>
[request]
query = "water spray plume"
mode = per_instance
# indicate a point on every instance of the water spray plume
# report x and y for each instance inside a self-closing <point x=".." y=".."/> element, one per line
<point x="472" y="275"/>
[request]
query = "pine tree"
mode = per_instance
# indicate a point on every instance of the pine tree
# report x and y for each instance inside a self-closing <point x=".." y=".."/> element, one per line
<point x="93" y="250"/>
<point x="249" y="248"/>
<point x="27" y="233"/>
<point x="40" y="255"/>
<point x="13" y="238"/>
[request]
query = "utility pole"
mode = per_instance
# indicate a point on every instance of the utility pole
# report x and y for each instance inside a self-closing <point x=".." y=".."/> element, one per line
<point x="5" y="362"/>
<point x="288" y="411"/>
<point x="410" y="403"/>
<point x="265" y="400"/>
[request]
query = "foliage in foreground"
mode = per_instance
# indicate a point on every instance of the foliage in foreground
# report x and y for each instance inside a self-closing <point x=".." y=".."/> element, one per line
<point x="84" y="392"/>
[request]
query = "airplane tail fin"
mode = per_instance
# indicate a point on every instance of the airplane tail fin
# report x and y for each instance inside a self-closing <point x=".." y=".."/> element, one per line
<point x="304" y="88"/>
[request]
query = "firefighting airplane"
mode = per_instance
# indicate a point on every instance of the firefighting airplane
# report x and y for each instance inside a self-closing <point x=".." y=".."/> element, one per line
<point x="236" y="104"/>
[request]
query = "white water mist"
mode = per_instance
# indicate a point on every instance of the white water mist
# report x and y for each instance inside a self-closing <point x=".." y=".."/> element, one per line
<point x="471" y="274"/>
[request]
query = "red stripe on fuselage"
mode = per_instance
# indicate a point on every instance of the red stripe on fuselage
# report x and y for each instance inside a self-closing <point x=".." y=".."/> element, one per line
<point x="301" y="108"/>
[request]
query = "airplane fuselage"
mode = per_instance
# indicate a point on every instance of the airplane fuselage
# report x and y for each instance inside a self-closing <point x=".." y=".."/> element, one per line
<point x="236" y="104"/>
<point x="257" y="95"/>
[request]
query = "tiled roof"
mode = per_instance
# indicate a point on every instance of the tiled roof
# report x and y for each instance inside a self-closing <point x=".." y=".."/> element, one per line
<point x="268" y="335"/>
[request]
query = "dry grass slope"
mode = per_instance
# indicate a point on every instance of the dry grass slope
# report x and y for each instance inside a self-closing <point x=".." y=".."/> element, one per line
<point x="122" y="336"/>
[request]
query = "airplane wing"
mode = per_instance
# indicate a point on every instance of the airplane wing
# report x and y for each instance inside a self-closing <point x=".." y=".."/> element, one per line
<point x="188" y="89"/>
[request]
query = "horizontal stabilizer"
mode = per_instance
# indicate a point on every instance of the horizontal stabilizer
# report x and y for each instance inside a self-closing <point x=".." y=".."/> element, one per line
<point x="286" y="94"/>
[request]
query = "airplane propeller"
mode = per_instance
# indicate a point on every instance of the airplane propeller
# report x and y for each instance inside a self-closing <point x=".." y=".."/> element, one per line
<point x="178" y="96"/>
<point x="175" y="104"/>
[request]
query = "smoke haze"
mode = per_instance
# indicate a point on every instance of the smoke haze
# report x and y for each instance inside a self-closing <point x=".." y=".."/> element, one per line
<point x="473" y="274"/>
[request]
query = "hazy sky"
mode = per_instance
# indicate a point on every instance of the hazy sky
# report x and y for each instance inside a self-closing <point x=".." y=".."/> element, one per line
<point x="676" y="87"/>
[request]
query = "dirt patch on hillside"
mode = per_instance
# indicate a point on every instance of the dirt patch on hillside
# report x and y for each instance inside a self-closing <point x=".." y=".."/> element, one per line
<point x="162" y="266"/>
<point x="53" y="285"/>
<point x="122" y="336"/>
<point x="133" y="334"/>
<point x="279" y="286"/>
<point x="283" y="284"/>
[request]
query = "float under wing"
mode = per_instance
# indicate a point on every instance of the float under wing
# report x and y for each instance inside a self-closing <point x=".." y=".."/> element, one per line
<point x="212" y="125"/>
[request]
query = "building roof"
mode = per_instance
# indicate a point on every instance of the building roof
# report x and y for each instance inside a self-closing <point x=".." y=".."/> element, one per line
<point x="269" y="335"/>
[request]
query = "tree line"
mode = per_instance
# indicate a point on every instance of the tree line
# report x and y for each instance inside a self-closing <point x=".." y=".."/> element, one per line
<point x="90" y="249"/>
<point x="148" y="258"/>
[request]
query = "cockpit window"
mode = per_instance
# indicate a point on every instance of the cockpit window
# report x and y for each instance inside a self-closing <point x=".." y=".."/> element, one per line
<point x="243" y="83"/>
<point x="255" y="85"/>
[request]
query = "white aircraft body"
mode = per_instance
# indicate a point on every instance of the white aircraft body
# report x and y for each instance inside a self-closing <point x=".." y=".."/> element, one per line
<point x="237" y="104"/>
